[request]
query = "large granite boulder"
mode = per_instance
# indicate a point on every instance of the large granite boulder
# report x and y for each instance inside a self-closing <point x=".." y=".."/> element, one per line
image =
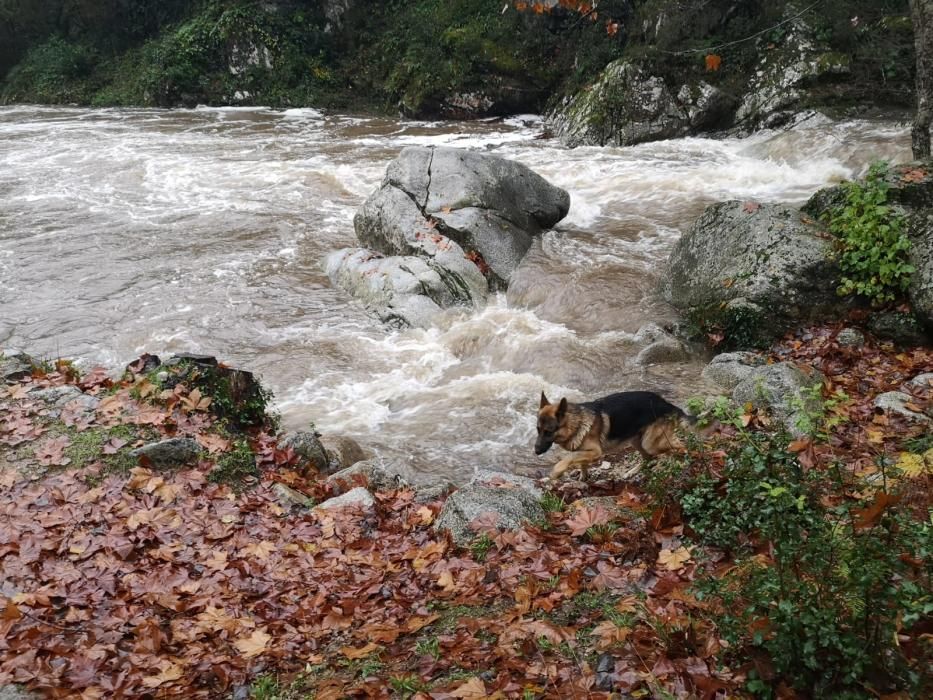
<point x="750" y="269"/>
<point x="487" y="205"/>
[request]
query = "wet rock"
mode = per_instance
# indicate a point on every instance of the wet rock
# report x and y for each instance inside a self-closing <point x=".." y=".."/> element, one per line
<point x="59" y="396"/>
<point x="922" y="382"/>
<point x="781" y="389"/>
<point x="729" y="369"/>
<point x="355" y="497"/>
<point x="897" y="402"/>
<point x="406" y="291"/>
<point x="488" y="477"/>
<point x="511" y="505"/>
<point x="851" y="338"/>
<point x="167" y="454"/>
<point x="785" y="70"/>
<point x="309" y="449"/>
<point x="628" y="105"/>
<point x="661" y="346"/>
<point x="143" y="364"/>
<point x="752" y="269"/>
<point x="15" y="366"/>
<point x="375" y="473"/>
<point x="342" y="452"/>
<point x="901" y="329"/>
<point x="487" y="206"/>
<point x="288" y="497"/>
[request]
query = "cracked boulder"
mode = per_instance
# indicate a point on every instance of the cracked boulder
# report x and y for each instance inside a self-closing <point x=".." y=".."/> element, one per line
<point x="448" y="203"/>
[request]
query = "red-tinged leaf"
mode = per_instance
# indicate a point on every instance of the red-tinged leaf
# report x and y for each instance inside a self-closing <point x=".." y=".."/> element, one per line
<point x="486" y="523"/>
<point x="751" y="207"/>
<point x="114" y="445"/>
<point x="799" y="445"/>
<point x="610" y="577"/>
<point x="52" y="452"/>
<point x="713" y="62"/>
<point x="871" y="515"/>
<point x="585" y="518"/>
<point x="913" y="175"/>
<point x="361" y="653"/>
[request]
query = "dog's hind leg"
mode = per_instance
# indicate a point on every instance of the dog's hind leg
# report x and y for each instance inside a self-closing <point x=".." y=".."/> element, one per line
<point x="658" y="438"/>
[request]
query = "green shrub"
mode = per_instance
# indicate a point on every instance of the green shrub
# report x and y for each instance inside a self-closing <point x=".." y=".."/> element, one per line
<point x="815" y="589"/>
<point x="872" y="246"/>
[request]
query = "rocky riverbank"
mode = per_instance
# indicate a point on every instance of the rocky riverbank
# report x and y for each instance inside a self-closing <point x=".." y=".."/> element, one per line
<point x="159" y="536"/>
<point x="629" y="73"/>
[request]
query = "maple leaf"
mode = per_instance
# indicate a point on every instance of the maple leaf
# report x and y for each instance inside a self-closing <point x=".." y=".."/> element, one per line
<point x="168" y="673"/>
<point x="912" y="465"/>
<point x="213" y="443"/>
<point x="52" y="452"/>
<point x="472" y="689"/>
<point x="751" y="207"/>
<point x="114" y="445"/>
<point x="608" y="634"/>
<point x="610" y="577"/>
<point x="674" y="560"/>
<point x="913" y="175"/>
<point x="254" y="645"/>
<point x="361" y="653"/>
<point x="425" y="515"/>
<point x="195" y="402"/>
<point x="585" y="518"/>
<point x="18" y="391"/>
<point x="261" y="550"/>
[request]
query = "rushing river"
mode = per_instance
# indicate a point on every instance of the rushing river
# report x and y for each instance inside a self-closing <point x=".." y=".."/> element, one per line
<point x="130" y="231"/>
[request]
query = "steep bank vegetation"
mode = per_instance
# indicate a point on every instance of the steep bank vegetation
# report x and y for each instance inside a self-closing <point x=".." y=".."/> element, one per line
<point x="422" y="57"/>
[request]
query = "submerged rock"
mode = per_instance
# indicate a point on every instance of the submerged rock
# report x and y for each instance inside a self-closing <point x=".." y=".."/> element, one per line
<point x="374" y="473"/>
<point x="342" y="452"/>
<point x="407" y="291"/>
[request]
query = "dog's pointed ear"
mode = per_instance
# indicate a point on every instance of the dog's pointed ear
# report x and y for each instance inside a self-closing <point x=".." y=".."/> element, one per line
<point x="562" y="408"/>
<point x="544" y="401"/>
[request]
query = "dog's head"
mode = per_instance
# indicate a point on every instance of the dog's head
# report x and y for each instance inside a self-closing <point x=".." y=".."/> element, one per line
<point x="551" y="418"/>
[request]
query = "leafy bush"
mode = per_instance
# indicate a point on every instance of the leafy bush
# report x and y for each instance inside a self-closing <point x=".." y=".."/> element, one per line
<point x="820" y="585"/>
<point x="872" y="245"/>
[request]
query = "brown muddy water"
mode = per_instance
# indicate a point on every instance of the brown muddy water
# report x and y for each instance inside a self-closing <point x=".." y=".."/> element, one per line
<point x="130" y="231"/>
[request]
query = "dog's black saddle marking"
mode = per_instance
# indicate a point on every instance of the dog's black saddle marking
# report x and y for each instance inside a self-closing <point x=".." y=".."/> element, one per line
<point x="631" y="411"/>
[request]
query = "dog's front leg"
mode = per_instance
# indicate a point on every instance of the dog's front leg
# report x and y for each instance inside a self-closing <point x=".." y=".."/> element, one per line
<point x="582" y="459"/>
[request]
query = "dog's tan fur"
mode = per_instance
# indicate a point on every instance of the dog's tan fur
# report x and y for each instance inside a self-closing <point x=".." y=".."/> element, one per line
<point x="584" y="434"/>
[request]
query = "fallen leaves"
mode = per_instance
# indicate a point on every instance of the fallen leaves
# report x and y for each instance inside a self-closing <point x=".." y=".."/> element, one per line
<point x="674" y="560"/>
<point x="52" y="452"/>
<point x="254" y="645"/>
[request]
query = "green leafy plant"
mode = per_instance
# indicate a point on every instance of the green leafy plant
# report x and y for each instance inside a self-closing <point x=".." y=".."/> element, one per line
<point x="872" y="246"/>
<point x="480" y="546"/>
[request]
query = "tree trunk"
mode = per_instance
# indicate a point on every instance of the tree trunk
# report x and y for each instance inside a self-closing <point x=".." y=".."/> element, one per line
<point x="922" y="14"/>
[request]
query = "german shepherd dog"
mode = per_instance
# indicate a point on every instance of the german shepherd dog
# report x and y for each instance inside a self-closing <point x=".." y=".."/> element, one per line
<point x="589" y="430"/>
